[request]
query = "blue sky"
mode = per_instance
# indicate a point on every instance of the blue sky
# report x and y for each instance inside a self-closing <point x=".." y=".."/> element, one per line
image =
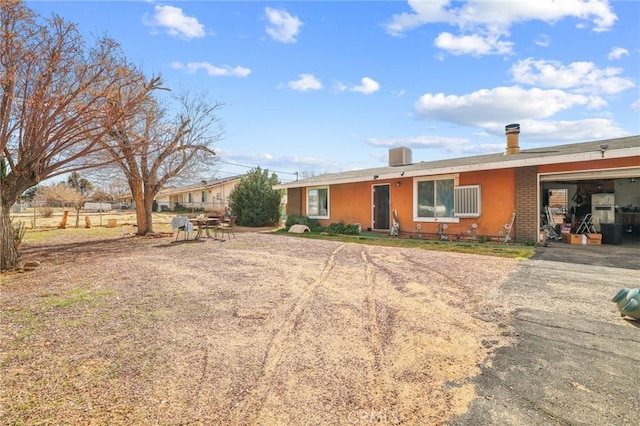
<point x="328" y="86"/>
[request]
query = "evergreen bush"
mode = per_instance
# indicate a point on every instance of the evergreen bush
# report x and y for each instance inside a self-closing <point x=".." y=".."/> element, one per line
<point x="254" y="202"/>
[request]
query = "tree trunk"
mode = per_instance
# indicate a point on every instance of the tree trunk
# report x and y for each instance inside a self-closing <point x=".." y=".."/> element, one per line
<point x="148" y="210"/>
<point x="141" y="219"/>
<point x="138" y="197"/>
<point x="8" y="250"/>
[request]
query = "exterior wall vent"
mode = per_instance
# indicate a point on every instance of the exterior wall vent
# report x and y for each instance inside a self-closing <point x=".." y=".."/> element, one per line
<point x="399" y="156"/>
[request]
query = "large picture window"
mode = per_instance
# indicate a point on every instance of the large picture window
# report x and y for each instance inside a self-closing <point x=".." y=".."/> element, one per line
<point x="434" y="200"/>
<point x="318" y="203"/>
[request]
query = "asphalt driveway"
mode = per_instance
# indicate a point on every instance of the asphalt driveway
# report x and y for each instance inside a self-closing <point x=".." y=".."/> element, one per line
<point x="575" y="361"/>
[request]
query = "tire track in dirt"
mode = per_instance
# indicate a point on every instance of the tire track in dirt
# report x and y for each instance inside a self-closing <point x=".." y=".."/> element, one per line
<point x="399" y="280"/>
<point x="249" y="410"/>
<point x="204" y="367"/>
<point x="378" y="380"/>
<point x="418" y="265"/>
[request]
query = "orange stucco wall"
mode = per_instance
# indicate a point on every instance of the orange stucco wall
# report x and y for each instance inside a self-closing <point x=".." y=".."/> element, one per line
<point x="352" y="203"/>
<point x="498" y="201"/>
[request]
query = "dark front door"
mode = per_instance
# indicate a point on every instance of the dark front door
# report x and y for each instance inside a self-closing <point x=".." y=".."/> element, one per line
<point x="381" y="207"/>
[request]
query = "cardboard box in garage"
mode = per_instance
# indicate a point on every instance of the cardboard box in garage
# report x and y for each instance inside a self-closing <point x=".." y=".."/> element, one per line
<point x="594" y="238"/>
<point x="572" y="238"/>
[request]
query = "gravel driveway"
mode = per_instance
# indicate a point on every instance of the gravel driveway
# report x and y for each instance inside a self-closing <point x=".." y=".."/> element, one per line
<point x="259" y="330"/>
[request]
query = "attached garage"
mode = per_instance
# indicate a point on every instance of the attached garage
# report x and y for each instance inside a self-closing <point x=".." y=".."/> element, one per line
<point x="605" y="201"/>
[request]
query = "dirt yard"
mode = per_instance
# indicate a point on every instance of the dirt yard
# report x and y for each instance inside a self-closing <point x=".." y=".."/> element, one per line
<point x="259" y="330"/>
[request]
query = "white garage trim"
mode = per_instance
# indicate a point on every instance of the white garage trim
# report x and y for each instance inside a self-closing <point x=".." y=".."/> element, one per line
<point x="592" y="174"/>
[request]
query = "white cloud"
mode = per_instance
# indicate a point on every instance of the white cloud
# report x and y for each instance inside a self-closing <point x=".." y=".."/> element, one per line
<point x="617" y="53"/>
<point x="282" y="26"/>
<point x="482" y="23"/>
<point x="582" y="77"/>
<point x="449" y="144"/>
<point x="485" y="108"/>
<point x="281" y="162"/>
<point x="636" y="105"/>
<point x="474" y="44"/>
<point x="566" y="130"/>
<point x="367" y="86"/>
<point x="305" y="82"/>
<point x="543" y="40"/>
<point x="501" y="14"/>
<point x="212" y="70"/>
<point x="416" y="142"/>
<point x="175" y="22"/>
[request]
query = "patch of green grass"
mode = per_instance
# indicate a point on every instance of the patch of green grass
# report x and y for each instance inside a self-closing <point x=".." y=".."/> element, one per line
<point x="72" y="297"/>
<point x="40" y="235"/>
<point x="485" y="249"/>
<point x="25" y="322"/>
<point x="19" y="316"/>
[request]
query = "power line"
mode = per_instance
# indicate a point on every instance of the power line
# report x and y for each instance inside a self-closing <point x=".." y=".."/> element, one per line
<point x="253" y="167"/>
<point x="283" y="180"/>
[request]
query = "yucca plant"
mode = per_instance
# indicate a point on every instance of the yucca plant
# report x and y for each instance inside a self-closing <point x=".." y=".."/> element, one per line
<point x="18" y="232"/>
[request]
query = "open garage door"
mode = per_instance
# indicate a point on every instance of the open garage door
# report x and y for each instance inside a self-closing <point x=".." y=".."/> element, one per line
<point x="609" y="199"/>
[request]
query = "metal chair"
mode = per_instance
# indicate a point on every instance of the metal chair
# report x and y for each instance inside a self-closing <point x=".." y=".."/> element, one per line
<point x="227" y="227"/>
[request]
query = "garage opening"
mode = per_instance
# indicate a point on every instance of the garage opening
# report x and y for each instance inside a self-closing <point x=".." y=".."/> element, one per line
<point x="594" y="207"/>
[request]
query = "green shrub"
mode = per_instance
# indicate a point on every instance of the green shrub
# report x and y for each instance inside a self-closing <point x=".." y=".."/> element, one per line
<point x="179" y="208"/>
<point x="293" y="219"/>
<point x="352" y="229"/>
<point x="336" y="228"/>
<point x="254" y="202"/>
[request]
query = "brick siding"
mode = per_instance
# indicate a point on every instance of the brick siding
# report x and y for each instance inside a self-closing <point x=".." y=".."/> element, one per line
<point x="526" y="222"/>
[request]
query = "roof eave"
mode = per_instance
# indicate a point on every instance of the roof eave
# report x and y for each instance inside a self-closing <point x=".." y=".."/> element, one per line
<point x="520" y="161"/>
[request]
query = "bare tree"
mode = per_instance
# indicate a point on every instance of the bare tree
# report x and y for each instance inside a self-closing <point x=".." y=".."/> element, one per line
<point x="56" y="103"/>
<point x="64" y="195"/>
<point x="101" y="195"/>
<point x="152" y="147"/>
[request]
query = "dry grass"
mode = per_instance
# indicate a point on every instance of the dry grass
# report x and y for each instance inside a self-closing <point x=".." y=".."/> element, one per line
<point x="259" y="330"/>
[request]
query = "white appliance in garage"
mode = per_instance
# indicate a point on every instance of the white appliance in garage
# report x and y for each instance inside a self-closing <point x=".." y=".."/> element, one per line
<point x="602" y="209"/>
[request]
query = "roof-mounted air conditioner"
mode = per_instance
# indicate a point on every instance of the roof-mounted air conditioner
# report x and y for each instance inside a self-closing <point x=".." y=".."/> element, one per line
<point x="399" y="156"/>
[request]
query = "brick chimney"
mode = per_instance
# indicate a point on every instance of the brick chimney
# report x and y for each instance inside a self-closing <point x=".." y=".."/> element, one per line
<point x="512" y="131"/>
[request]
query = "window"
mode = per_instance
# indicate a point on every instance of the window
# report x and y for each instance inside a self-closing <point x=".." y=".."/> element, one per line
<point x="434" y="200"/>
<point x="467" y="201"/>
<point x="204" y="196"/>
<point x="318" y="203"/>
<point x="190" y="198"/>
